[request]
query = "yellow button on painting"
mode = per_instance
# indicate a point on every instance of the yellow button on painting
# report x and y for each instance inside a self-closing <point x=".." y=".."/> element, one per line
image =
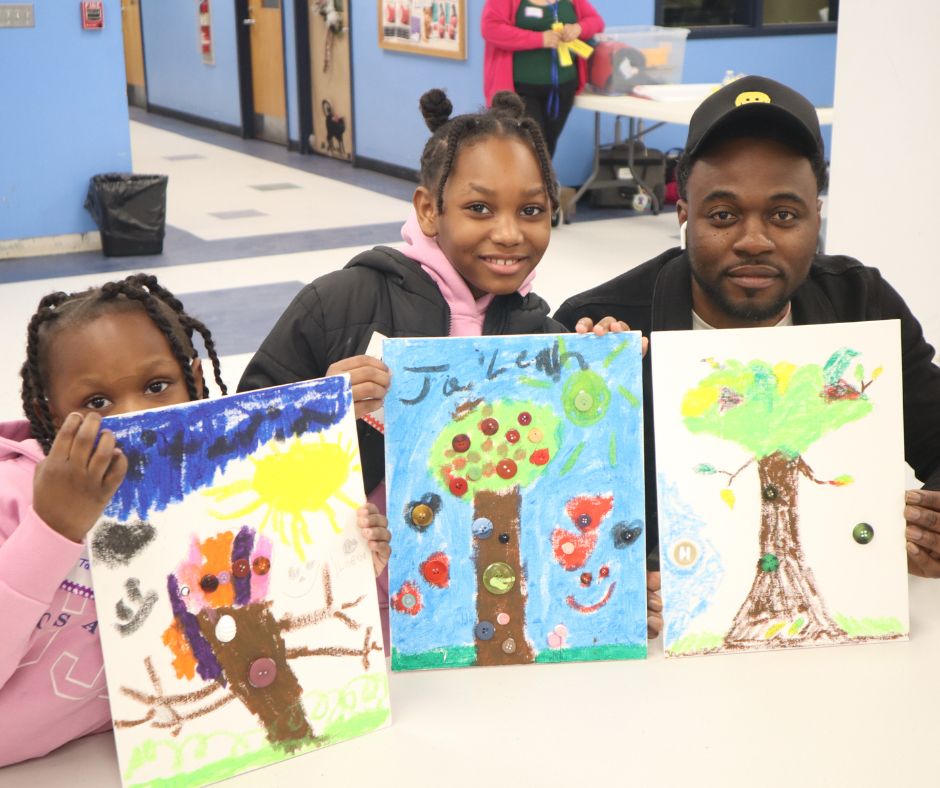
<point x="499" y="578"/>
<point x="422" y="515"/>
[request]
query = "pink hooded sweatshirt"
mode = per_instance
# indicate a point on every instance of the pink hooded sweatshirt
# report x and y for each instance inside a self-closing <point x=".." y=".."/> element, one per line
<point x="52" y="684"/>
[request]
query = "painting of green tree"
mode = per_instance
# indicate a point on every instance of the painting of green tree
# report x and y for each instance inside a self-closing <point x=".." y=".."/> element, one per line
<point x="775" y="412"/>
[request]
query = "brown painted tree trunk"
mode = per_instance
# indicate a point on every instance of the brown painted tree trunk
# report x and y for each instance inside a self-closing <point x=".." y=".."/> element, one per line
<point x="508" y="645"/>
<point x="785" y="590"/>
<point x="258" y="635"/>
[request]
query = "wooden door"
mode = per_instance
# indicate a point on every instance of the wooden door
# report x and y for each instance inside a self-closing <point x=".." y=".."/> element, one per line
<point x="330" y="80"/>
<point x="133" y="53"/>
<point x="267" y="70"/>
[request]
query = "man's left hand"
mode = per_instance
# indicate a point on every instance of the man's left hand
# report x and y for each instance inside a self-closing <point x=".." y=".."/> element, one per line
<point x="923" y="532"/>
<point x="606" y="325"/>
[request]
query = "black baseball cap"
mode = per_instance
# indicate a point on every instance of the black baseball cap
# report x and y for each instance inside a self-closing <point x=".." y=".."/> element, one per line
<point x="757" y="99"/>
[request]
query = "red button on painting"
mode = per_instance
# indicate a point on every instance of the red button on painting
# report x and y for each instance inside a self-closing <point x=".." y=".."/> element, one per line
<point x="489" y="426"/>
<point x="262" y="672"/>
<point x="525" y="418"/>
<point x="506" y="469"/>
<point x="539" y="457"/>
<point x="512" y="436"/>
<point x="241" y="568"/>
<point x="458" y="486"/>
<point x="261" y="565"/>
<point x="461" y="443"/>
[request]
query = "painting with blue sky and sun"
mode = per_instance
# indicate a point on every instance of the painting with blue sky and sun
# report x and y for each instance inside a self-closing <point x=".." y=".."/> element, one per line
<point x="236" y="596"/>
<point x="514" y="469"/>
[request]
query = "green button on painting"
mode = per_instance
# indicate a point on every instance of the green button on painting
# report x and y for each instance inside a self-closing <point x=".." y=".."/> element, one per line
<point x="499" y="578"/>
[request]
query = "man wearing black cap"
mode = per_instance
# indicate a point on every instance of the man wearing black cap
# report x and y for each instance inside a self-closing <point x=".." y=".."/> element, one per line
<point x="749" y="214"/>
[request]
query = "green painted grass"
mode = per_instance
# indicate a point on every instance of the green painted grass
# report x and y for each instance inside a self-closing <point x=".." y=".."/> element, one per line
<point x="465" y="656"/>
<point x="451" y="657"/>
<point x="692" y="644"/>
<point x="870" y="627"/>
<point x="593" y="653"/>
<point x="341" y="713"/>
<point x="229" y="767"/>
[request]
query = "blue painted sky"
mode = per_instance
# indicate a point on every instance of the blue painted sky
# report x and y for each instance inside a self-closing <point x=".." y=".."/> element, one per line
<point x="174" y="451"/>
<point x="494" y="368"/>
<point x="690" y="588"/>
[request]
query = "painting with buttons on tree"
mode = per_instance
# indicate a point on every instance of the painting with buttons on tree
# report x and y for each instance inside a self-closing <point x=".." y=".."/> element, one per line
<point x="780" y="474"/>
<point x="514" y="475"/>
<point x="237" y="601"/>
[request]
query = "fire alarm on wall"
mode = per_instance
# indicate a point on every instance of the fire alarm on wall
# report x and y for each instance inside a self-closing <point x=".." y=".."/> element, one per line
<point x="92" y="14"/>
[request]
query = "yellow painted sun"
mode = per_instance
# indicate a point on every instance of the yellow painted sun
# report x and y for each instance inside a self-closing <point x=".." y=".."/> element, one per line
<point x="306" y="478"/>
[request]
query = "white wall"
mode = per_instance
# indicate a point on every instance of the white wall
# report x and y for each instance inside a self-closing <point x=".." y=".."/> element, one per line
<point x="885" y="164"/>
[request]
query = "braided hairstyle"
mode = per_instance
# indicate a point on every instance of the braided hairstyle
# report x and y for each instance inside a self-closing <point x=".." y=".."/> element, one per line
<point x="504" y="118"/>
<point x="60" y="311"/>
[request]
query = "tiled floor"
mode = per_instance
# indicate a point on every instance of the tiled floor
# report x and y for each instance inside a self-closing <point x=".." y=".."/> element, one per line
<point x="250" y="223"/>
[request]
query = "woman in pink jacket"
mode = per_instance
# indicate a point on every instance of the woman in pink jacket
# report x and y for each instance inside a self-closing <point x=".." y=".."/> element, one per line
<point x="521" y="55"/>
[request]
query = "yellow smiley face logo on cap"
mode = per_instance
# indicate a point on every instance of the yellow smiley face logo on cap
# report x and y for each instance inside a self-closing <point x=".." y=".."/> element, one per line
<point x="752" y="97"/>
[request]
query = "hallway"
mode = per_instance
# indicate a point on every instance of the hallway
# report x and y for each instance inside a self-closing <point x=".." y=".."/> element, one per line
<point x="250" y="223"/>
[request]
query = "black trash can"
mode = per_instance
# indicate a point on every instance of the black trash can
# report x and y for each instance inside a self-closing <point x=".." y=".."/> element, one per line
<point x="130" y="211"/>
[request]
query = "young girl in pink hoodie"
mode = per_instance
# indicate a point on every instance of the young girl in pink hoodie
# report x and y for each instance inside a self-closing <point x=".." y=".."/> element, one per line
<point x="123" y="347"/>
<point x="479" y="227"/>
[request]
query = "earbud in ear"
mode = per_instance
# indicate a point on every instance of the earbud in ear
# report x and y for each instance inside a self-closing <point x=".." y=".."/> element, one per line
<point x="683" y="231"/>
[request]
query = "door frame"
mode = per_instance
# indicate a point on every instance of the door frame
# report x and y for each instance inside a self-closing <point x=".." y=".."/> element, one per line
<point x="304" y="80"/>
<point x="245" y="89"/>
<point x="143" y="53"/>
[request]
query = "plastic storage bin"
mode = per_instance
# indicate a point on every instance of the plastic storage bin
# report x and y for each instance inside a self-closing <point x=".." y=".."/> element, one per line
<point x="639" y="55"/>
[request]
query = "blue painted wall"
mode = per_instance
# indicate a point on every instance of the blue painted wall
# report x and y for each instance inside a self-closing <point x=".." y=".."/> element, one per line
<point x="64" y="119"/>
<point x="177" y="78"/>
<point x="387" y="84"/>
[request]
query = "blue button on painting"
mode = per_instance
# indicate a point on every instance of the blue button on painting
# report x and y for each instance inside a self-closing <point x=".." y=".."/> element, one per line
<point x="484" y="630"/>
<point x="482" y="528"/>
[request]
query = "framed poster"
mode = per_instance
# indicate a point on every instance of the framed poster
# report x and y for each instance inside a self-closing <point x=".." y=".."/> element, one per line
<point x="425" y="27"/>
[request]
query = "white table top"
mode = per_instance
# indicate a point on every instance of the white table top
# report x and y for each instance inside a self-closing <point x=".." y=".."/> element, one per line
<point x="664" y="111"/>
<point x="848" y="716"/>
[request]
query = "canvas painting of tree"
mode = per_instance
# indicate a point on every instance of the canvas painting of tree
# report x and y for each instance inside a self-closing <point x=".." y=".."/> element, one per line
<point x="780" y="474"/>
<point x="514" y="476"/>
<point x="236" y="596"/>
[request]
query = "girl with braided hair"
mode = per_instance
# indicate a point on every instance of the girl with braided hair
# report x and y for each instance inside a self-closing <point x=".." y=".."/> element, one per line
<point x="118" y="348"/>
<point x="479" y="226"/>
<point x="123" y="347"/>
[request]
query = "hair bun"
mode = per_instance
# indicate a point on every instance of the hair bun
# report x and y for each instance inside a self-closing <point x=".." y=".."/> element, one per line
<point x="436" y="108"/>
<point x="508" y="103"/>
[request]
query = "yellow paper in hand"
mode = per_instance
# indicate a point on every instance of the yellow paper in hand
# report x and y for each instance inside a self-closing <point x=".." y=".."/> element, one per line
<point x="564" y="55"/>
<point x="579" y="47"/>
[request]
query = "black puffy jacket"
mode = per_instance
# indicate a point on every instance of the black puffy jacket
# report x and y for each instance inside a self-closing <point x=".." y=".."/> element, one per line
<point x="381" y="290"/>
